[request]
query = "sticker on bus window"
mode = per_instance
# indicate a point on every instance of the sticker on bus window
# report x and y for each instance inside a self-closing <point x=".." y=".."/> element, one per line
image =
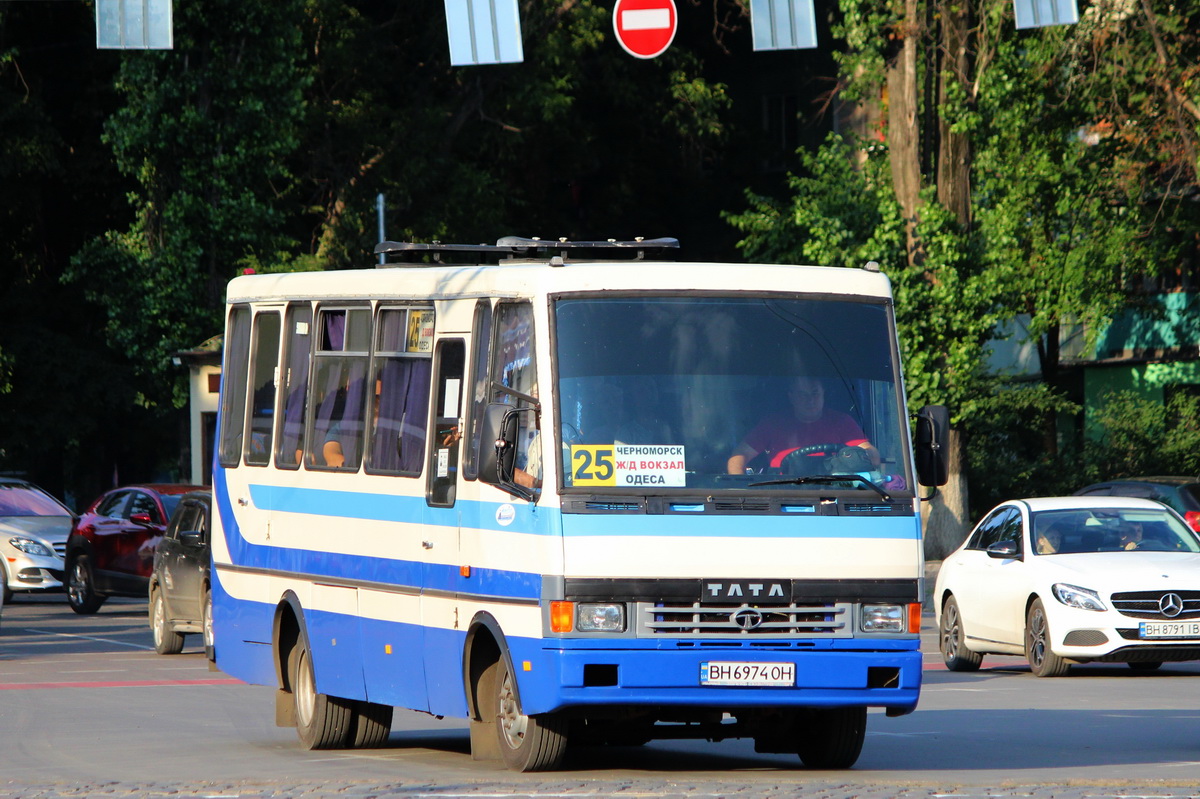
<point x="627" y="465"/>
<point x="420" y="331"/>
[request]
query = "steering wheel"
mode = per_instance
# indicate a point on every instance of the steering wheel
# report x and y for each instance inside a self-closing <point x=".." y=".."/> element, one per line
<point x="789" y="459"/>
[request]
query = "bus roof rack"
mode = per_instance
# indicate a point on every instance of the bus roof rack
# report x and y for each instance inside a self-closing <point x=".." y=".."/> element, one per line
<point x="403" y="253"/>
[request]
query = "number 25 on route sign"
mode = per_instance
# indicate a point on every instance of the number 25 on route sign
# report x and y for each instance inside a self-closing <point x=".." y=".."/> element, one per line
<point x="645" y="28"/>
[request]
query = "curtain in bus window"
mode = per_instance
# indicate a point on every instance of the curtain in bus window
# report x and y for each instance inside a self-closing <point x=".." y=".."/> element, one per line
<point x="402" y="380"/>
<point x="340" y="380"/>
<point x="398" y="443"/>
<point x="296" y="386"/>
<point x="233" y="386"/>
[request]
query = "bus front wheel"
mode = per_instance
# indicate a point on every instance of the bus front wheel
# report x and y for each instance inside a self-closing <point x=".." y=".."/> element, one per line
<point x="322" y="722"/>
<point x="831" y="738"/>
<point x="527" y="743"/>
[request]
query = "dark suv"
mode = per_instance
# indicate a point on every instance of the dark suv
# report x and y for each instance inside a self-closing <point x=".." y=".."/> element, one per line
<point x="1180" y="493"/>
<point x="110" y="551"/>
<point x="180" y="599"/>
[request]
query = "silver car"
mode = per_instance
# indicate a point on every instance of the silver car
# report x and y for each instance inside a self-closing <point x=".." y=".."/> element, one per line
<point x="33" y="537"/>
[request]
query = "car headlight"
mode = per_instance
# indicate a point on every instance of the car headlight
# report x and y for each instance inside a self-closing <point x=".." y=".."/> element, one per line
<point x="597" y="618"/>
<point x="883" y="618"/>
<point x="1075" y="597"/>
<point x="30" y="547"/>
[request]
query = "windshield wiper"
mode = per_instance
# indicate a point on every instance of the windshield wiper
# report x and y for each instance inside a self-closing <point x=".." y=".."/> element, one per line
<point x="825" y="478"/>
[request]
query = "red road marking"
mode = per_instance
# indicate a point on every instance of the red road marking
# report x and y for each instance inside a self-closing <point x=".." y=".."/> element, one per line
<point x="27" y="686"/>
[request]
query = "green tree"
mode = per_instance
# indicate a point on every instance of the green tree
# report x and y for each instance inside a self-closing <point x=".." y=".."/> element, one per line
<point x="205" y="130"/>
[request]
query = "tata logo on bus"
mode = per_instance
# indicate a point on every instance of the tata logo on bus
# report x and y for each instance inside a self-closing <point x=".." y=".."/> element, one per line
<point x="761" y="591"/>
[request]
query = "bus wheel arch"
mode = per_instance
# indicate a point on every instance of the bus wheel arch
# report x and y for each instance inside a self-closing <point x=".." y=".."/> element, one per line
<point x="499" y="730"/>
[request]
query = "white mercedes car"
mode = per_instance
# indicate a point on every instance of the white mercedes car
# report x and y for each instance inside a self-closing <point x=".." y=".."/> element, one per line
<point x="1064" y="580"/>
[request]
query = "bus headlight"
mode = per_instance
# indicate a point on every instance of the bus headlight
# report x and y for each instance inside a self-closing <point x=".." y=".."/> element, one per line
<point x="598" y="618"/>
<point x="883" y="618"/>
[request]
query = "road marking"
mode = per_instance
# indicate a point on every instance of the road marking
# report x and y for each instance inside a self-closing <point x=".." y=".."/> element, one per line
<point x="90" y="638"/>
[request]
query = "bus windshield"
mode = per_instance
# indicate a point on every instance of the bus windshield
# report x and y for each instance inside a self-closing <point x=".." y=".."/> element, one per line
<point x="746" y="393"/>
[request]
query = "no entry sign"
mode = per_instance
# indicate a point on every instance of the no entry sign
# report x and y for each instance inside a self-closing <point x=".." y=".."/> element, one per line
<point x="644" y="28"/>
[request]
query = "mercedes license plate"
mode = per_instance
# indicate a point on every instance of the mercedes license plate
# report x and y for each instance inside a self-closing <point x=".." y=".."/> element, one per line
<point x="748" y="674"/>
<point x="1169" y="629"/>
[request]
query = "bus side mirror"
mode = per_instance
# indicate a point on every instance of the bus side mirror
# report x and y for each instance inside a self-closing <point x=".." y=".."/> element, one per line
<point x="932" y="447"/>
<point x="498" y="448"/>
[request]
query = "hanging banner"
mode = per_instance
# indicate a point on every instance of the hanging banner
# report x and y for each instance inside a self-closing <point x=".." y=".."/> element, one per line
<point x="783" y="24"/>
<point x="484" y="32"/>
<point x="1045" y="13"/>
<point x="134" y="25"/>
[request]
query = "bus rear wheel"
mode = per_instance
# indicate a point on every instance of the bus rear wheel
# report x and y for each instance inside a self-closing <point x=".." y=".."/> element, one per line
<point x="831" y="738"/>
<point x="322" y="722"/>
<point x="527" y="743"/>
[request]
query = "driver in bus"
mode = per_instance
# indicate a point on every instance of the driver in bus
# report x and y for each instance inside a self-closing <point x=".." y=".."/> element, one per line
<point x="809" y="423"/>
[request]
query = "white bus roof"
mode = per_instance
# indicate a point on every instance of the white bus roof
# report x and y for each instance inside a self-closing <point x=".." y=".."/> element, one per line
<point x="528" y="278"/>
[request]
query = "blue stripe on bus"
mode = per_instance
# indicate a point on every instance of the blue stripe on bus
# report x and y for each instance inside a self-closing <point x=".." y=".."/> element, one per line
<point x="532" y="519"/>
<point x="351" y="567"/>
<point x="526" y="518"/>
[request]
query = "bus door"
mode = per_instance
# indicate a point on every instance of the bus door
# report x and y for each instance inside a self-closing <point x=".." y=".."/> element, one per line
<point x="443" y="663"/>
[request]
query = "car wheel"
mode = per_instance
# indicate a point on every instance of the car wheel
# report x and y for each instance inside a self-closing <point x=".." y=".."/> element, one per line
<point x="166" y="640"/>
<point x="1042" y="660"/>
<point x="322" y="722"/>
<point x="951" y="640"/>
<point x="81" y="587"/>
<point x="206" y="625"/>
<point x="833" y="737"/>
<point x="1145" y="665"/>
<point x="527" y="743"/>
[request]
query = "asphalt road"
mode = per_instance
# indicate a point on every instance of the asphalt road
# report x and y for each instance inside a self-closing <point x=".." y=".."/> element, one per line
<point x="87" y="709"/>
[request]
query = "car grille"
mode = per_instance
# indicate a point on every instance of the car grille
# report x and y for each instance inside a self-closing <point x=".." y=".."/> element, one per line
<point x="696" y="620"/>
<point x="1145" y="604"/>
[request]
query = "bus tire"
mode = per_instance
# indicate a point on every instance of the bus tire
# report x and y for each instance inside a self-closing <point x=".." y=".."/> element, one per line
<point x="831" y="738"/>
<point x="372" y="725"/>
<point x="322" y="722"/>
<point x="166" y="640"/>
<point x="527" y="743"/>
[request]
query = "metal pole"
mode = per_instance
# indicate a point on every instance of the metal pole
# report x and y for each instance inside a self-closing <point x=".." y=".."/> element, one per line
<point x="382" y="237"/>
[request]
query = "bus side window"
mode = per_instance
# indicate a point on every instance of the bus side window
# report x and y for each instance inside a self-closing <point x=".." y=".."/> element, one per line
<point x="263" y="371"/>
<point x="335" y="433"/>
<point x="482" y="333"/>
<point x="295" y="385"/>
<point x="233" y="386"/>
<point x="401" y="372"/>
<point x="447" y="422"/>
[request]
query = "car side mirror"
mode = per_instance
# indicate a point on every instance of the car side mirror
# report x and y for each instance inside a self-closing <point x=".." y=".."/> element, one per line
<point x="1004" y="550"/>
<point x="192" y="538"/>
<point x="142" y="519"/>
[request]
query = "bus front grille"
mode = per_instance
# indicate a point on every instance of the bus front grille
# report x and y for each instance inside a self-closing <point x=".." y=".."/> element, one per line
<point x="699" y="620"/>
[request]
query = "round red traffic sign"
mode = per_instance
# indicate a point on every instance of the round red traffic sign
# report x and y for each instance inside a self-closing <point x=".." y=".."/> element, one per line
<point x="645" y="28"/>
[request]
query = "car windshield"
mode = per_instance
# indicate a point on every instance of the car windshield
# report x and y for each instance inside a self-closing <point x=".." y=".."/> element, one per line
<point x="1111" y="530"/>
<point x="662" y="392"/>
<point x="170" y="502"/>
<point x="22" y="499"/>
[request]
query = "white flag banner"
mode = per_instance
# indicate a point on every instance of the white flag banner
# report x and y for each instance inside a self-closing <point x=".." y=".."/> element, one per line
<point x="783" y="24"/>
<point x="484" y="32"/>
<point x="1044" y="13"/>
<point x="134" y="25"/>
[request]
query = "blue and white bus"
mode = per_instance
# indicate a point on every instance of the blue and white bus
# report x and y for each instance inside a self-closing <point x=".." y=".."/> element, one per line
<point x="533" y="485"/>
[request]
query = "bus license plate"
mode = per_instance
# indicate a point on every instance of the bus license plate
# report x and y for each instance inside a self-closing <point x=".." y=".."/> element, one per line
<point x="748" y="674"/>
<point x="1170" y="629"/>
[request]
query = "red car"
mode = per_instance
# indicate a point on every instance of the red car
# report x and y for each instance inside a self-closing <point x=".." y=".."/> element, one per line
<point x="110" y="551"/>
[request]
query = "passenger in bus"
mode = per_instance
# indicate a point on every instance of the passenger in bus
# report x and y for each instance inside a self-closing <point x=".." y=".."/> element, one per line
<point x="807" y="423"/>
